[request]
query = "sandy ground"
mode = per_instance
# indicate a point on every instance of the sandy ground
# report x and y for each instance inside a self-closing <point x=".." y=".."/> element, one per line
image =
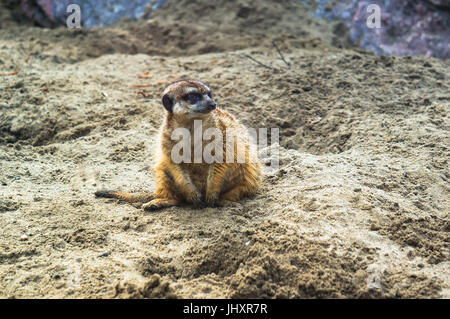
<point x="359" y="206"/>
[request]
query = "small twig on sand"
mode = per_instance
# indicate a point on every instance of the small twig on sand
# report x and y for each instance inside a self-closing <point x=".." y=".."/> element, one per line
<point x="142" y="93"/>
<point x="253" y="59"/>
<point x="9" y="73"/>
<point x="281" y="54"/>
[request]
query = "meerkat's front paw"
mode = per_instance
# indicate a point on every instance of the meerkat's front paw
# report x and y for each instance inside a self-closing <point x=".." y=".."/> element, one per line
<point x="211" y="199"/>
<point x="196" y="200"/>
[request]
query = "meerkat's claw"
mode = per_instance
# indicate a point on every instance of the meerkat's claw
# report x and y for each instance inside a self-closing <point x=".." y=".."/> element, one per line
<point x="211" y="200"/>
<point x="211" y="204"/>
<point x="150" y="207"/>
<point x="197" y="199"/>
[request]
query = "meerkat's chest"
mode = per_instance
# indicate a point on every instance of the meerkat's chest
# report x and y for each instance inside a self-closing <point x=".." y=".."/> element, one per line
<point x="198" y="172"/>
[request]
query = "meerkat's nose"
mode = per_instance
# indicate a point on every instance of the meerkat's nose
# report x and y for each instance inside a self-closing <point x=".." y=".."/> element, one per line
<point x="212" y="105"/>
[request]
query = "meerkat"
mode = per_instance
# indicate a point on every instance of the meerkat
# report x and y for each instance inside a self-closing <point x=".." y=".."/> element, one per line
<point x="218" y="183"/>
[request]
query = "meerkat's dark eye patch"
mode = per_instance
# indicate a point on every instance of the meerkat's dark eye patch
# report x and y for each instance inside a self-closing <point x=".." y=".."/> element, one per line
<point x="192" y="97"/>
<point x="167" y="102"/>
<point x="209" y="94"/>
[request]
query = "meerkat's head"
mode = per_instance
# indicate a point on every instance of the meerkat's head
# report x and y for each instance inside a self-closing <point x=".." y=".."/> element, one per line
<point x="189" y="98"/>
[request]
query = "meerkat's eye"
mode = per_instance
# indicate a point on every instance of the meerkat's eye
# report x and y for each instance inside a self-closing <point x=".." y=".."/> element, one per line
<point x="192" y="97"/>
<point x="209" y="94"/>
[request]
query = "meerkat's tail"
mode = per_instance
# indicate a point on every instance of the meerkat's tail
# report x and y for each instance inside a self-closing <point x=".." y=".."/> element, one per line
<point x="127" y="197"/>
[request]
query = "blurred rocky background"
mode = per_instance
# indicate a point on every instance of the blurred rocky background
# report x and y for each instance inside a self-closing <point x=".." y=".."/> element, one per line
<point x="414" y="27"/>
<point x="408" y="27"/>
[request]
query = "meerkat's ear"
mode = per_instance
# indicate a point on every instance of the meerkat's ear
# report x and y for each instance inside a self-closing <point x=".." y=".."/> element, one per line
<point x="167" y="102"/>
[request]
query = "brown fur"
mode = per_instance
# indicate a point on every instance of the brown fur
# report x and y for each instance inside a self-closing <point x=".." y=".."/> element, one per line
<point x="220" y="184"/>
